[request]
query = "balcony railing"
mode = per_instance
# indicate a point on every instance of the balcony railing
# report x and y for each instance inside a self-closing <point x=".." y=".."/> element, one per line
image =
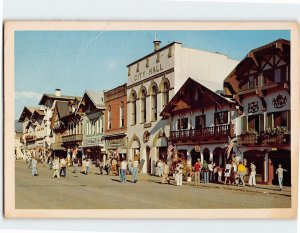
<point x="213" y="132"/>
<point x="72" y="138"/>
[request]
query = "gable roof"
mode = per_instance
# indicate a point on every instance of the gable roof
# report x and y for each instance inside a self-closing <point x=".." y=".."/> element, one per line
<point x="55" y="97"/>
<point x="97" y="97"/>
<point x="62" y="108"/>
<point x="211" y="95"/>
<point x="27" y="111"/>
<point x="251" y="59"/>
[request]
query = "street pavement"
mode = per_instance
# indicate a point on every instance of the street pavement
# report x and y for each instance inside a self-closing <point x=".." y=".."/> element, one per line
<point x="96" y="191"/>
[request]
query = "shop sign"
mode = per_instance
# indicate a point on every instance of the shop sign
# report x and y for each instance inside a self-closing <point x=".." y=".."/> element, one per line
<point x="117" y="142"/>
<point x="253" y="107"/>
<point x="92" y="141"/>
<point x="279" y="101"/>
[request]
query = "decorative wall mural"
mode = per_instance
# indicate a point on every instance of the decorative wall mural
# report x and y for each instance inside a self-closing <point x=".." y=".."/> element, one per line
<point x="253" y="107"/>
<point x="279" y="101"/>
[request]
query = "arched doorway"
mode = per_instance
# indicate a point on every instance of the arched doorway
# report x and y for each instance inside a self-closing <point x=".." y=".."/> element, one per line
<point x="218" y="156"/>
<point x="282" y="157"/>
<point x="148" y="162"/>
<point x="206" y="154"/>
<point x="195" y="155"/>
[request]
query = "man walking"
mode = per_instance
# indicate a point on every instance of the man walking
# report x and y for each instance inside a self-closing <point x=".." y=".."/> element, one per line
<point x="252" y="181"/>
<point x="123" y="171"/>
<point x="205" y="171"/>
<point x="63" y="165"/>
<point x="135" y="167"/>
<point x="197" y="168"/>
<point x="33" y="166"/>
<point x="166" y="171"/>
<point x="241" y="172"/>
<point x="279" y="172"/>
<point x="75" y="165"/>
<point x="178" y="173"/>
<point x="56" y="168"/>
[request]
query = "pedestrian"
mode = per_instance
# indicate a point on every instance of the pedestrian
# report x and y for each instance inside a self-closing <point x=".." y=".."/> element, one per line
<point x="63" y="165"/>
<point x="87" y="166"/>
<point x="189" y="168"/>
<point x="178" y="173"/>
<point x="235" y="179"/>
<point x="114" y="163"/>
<point x="220" y="172"/>
<point x="101" y="166"/>
<point x="241" y="173"/>
<point x="210" y="171"/>
<point x="215" y="175"/>
<point x="130" y="168"/>
<point x="56" y="168"/>
<point x="50" y="163"/>
<point x="166" y="171"/>
<point x="33" y="166"/>
<point x="279" y="172"/>
<point x="252" y="180"/>
<point x="205" y="171"/>
<point x="197" y="168"/>
<point x="123" y="169"/>
<point x="108" y="166"/>
<point x="75" y="165"/>
<point x="227" y="172"/>
<point x="135" y="169"/>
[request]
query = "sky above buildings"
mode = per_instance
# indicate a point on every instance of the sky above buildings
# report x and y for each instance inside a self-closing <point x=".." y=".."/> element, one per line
<point x="75" y="61"/>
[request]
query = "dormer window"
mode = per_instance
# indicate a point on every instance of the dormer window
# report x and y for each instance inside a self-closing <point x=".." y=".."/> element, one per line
<point x="147" y="62"/>
<point x="138" y="67"/>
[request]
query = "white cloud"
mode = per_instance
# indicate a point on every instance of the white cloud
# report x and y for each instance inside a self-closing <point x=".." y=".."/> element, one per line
<point x="27" y="95"/>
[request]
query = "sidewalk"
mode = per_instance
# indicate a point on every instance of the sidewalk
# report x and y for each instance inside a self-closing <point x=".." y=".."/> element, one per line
<point x="265" y="189"/>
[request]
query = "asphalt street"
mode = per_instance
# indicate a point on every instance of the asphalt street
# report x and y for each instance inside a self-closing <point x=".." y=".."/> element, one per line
<point x="96" y="191"/>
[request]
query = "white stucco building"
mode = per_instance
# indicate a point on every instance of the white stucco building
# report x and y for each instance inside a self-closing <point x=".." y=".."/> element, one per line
<point x="152" y="82"/>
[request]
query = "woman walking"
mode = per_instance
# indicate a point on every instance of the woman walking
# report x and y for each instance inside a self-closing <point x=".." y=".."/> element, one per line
<point x="135" y="167"/>
<point x="178" y="173"/>
<point x="56" y="168"/>
<point x="123" y="171"/>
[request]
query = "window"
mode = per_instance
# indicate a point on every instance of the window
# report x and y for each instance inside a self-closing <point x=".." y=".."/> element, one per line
<point x="143" y="107"/>
<point x="154" y="103"/>
<point x="221" y="118"/>
<point x="137" y="67"/>
<point x="170" y="52"/>
<point x="122" y="115"/>
<point x="253" y="122"/>
<point x="133" y="108"/>
<point x="147" y="62"/>
<point x="109" y="117"/>
<point x="182" y="123"/>
<point x="200" y="122"/>
<point x="158" y="57"/>
<point x="166" y="94"/>
<point x="278" y="119"/>
<point x="129" y="71"/>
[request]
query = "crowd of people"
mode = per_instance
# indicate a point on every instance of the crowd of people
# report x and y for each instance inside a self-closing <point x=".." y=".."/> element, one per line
<point x="171" y="168"/>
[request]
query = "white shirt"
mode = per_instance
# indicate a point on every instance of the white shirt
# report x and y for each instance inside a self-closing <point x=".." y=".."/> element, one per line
<point x="135" y="163"/>
<point x="123" y="165"/>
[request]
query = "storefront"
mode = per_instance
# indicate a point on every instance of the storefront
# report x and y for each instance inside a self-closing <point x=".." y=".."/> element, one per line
<point x="91" y="147"/>
<point x="116" y="145"/>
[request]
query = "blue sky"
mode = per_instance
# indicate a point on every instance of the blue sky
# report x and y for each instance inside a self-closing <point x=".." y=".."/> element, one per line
<point x="75" y="61"/>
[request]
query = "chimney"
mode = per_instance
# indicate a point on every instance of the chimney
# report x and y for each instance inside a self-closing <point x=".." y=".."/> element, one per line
<point x="57" y="92"/>
<point x="156" y="45"/>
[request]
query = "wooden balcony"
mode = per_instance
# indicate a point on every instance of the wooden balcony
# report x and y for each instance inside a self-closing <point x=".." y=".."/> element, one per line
<point x="72" y="138"/>
<point x="220" y="132"/>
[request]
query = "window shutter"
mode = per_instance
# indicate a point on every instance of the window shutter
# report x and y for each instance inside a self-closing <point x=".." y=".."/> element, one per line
<point x="244" y="124"/>
<point x="270" y="121"/>
<point x="261" y="123"/>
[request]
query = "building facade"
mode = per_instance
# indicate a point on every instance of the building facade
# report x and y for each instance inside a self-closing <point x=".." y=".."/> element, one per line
<point x="260" y="84"/>
<point x="152" y="81"/>
<point x="116" y="122"/>
<point x="93" y="124"/>
<point x="72" y="137"/>
<point x="201" y="122"/>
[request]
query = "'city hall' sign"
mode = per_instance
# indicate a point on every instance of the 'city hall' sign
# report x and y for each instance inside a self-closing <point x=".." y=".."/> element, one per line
<point x="148" y="72"/>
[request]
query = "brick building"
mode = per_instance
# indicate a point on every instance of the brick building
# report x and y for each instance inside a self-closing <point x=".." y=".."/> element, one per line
<point x="115" y="130"/>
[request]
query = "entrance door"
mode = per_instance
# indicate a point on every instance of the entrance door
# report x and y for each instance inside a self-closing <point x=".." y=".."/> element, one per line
<point x="148" y="159"/>
<point x="282" y="157"/>
<point x="195" y="155"/>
